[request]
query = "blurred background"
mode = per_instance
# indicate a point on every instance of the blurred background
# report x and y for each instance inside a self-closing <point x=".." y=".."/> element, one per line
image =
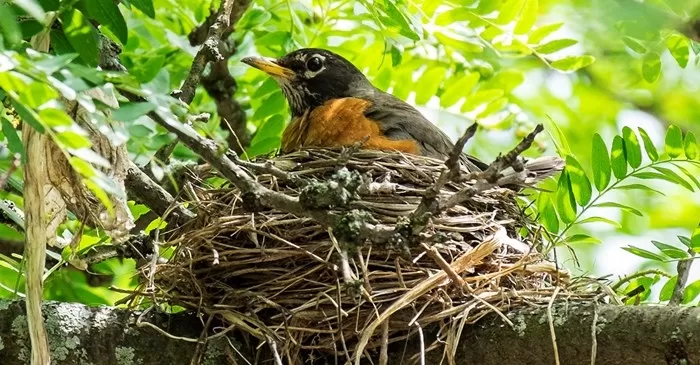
<point x="579" y="67"/>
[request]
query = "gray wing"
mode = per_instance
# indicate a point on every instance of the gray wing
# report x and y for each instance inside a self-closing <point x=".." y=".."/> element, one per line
<point x="401" y="121"/>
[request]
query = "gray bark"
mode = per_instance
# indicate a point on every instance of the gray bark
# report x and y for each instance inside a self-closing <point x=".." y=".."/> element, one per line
<point x="623" y="335"/>
<point x="84" y="335"/>
<point x="79" y="334"/>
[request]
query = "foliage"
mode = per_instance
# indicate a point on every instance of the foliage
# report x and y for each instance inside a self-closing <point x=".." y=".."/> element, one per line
<point x="581" y="66"/>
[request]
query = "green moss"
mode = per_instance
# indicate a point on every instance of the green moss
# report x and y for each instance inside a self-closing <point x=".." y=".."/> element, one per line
<point x="20" y="328"/>
<point x="214" y="353"/>
<point x="126" y="356"/>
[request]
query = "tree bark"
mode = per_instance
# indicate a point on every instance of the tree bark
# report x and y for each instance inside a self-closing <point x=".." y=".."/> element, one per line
<point x="623" y="335"/>
<point x="79" y="334"/>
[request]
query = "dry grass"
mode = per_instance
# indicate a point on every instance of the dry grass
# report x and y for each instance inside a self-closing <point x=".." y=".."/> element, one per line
<point x="289" y="281"/>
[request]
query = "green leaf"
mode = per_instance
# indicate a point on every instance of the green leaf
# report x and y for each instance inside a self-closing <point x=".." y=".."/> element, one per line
<point x="52" y="64"/>
<point x="463" y="44"/>
<point x="272" y="128"/>
<point x="601" y="220"/>
<point x="580" y="238"/>
<point x="633" y="150"/>
<point x="54" y="117"/>
<point x="146" y="6"/>
<point x="573" y="63"/>
<point x="691" y="292"/>
<point x="560" y="141"/>
<point x="580" y="185"/>
<point x="129" y="112"/>
<point x="481" y="97"/>
<point x="695" y="46"/>
<point x="651" y="67"/>
<point x="549" y="218"/>
<point x="619" y="206"/>
<point x="99" y="191"/>
<point x="253" y="17"/>
<point x="82" y="36"/>
<point x="689" y="175"/>
<point x="601" y="163"/>
<point x="73" y="140"/>
<point x="649" y="145"/>
<point x="9" y="28"/>
<point x="674" y="177"/>
<point x="428" y="84"/>
<point x="645" y="253"/>
<point x="618" y="160"/>
<point x="14" y="142"/>
<point x="509" y="10"/>
<point x="28" y="115"/>
<point x="634" y="45"/>
<point x="679" y="47"/>
<point x="667" y="290"/>
<point x="107" y="14"/>
<point x="690" y="146"/>
<point x="555" y="45"/>
<point x="565" y="203"/>
<point x="264" y="147"/>
<point x="60" y="43"/>
<point x="89" y="156"/>
<point x="685" y="241"/>
<point x="396" y="56"/>
<point x="493" y="107"/>
<point x="670" y="251"/>
<point x="528" y="15"/>
<point x="454" y="15"/>
<point x="695" y="239"/>
<point x="50" y="5"/>
<point x="674" y="141"/>
<point x="32" y="8"/>
<point x="542" y="32"/>
<point x="637" y="187"/>
<point x="458" y="88"/>
<point x="148" y="69"/>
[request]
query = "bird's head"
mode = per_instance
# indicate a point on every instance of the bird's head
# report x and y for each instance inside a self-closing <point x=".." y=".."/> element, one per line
<point x="310" y="76"/>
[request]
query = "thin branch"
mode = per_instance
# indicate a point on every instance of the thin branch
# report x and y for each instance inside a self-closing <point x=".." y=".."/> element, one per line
<point x="631" y="277"/>
<point x="218" y="26"/>
<point x="428" y="205"/>
<point x="493" y="177"/>
<point x="550" y="320"/>
<point x="146" y="191"/>
<point x="208" y="52"/>
<point x="683" y="268"/>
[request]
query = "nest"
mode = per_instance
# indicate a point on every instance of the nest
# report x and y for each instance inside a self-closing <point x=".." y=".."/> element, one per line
<point x="296" y="286"/>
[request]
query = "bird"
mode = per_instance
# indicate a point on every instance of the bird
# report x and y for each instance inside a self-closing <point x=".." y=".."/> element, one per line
<point x="334" y="104"/>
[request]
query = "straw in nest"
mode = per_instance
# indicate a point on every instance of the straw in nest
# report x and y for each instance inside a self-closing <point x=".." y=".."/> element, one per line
<point x="292" y="283"/>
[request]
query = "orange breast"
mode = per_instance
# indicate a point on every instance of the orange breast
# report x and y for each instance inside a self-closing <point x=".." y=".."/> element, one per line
<point x="337" y="123"/>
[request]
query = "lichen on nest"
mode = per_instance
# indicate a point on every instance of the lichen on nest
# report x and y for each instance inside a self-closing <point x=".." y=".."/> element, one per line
<point x="306" y="287"/>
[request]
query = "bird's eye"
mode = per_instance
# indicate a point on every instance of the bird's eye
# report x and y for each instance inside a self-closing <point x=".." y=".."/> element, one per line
<point x="314" y="64"/>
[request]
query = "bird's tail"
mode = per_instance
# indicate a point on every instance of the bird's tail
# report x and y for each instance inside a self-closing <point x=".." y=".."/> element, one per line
<point x="534" y="171"/>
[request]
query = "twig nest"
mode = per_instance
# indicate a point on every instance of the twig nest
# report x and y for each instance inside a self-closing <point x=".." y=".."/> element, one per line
<point x="305" y="287"/>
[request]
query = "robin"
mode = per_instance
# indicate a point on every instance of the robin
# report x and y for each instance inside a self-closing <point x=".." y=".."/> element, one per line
<point x="333" y="104"/>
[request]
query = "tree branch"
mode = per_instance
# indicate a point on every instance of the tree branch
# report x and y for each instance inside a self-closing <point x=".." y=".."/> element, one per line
<point x="219" y="83"/>
<point x="623" y="335"/>
<point x="683" y="271"/>
<point x="146" y="191"/>
<point x="79" y="334"/>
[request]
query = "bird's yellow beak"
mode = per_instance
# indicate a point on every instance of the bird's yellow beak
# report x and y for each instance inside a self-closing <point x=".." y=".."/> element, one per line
<point x="270" y="66"/>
